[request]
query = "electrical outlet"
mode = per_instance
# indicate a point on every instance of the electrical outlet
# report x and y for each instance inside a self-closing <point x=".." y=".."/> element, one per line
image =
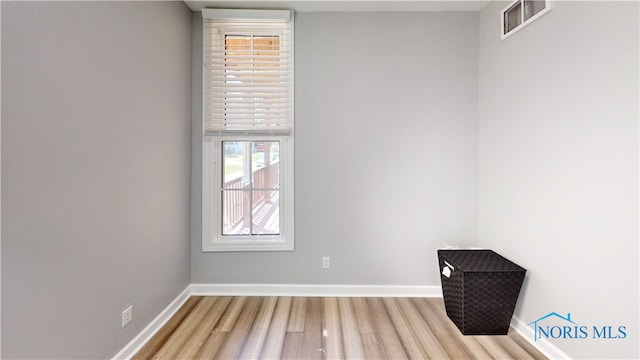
<point x="127" y="315"/>
<point x="326" y="262"/>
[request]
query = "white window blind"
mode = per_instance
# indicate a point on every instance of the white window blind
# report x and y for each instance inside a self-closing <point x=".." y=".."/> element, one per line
<point x="248" y="80"/>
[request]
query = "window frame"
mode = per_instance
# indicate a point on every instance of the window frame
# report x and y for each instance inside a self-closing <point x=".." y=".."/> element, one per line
<point x="212" y="219"/>
<point x="213" y="240"/>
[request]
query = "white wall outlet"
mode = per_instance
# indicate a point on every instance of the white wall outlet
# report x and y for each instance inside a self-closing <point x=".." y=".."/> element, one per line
<point x="326" y="262"/>
<point x="127" y="315"/>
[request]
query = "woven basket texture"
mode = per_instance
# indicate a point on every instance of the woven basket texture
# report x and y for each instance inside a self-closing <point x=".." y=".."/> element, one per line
<point x="482" y="290"/>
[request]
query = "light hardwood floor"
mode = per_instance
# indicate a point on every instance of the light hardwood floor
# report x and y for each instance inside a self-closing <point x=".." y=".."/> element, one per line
<point x="323" y="328"/>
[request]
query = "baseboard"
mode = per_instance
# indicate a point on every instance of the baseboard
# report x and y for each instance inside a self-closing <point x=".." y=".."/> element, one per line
<point x="545" y="346"/>
<point x="154" y="326"/>
<point x="316" y="290"/>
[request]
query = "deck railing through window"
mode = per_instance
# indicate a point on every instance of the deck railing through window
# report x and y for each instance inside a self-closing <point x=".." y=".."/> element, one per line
<point x="236" y="202"/>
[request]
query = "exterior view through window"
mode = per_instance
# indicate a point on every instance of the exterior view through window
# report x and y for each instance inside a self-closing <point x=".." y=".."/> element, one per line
<point x="251" y="188"/>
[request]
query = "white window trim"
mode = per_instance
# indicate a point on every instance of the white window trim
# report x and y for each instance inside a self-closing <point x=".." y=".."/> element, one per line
<point x="212" y="183"/>
<point x="212" y="239"/>
<point x="523" y="23"/>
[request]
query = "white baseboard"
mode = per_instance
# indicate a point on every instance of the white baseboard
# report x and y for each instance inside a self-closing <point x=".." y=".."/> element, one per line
<point x="154" y="326"/>
<point x="545" y="346"/>
<point x="315" y="290"/>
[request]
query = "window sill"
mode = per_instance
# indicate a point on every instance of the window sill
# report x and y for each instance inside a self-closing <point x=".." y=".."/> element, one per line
<point x="252" y="245"/>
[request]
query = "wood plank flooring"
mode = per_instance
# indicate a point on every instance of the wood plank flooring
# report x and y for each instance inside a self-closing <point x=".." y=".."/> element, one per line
<point x="323" y="328"/>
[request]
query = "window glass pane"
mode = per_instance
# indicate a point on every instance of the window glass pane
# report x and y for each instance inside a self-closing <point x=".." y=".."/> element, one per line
<point x="267" y="48"/>
<point x="238" y="51"/>
<point x="236" y="219"/>
<point x="512" y="17"/>
<point x="235" y="164"/>
<point x="260" y="53"/>
<point x="250" y="188"/>
<point x="266" y="212"/>
<point x="533" y="7"/>
<point x="266" y="164"/>
<point x="252" y="65"/>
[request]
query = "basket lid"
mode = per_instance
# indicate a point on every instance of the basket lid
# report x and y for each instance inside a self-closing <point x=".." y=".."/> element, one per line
<point x="478" y="260"/>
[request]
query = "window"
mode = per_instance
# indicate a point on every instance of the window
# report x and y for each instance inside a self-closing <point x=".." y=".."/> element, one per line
<point x="247" y="130"/>
<point x="250" y="191"/>
<point x="521" y="13"/>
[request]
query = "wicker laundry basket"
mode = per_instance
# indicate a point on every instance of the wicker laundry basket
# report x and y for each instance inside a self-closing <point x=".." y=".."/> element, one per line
<point x="480" y="290"/>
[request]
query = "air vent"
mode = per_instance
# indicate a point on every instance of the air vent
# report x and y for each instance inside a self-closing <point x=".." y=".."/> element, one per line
<point x="521" y="13"/>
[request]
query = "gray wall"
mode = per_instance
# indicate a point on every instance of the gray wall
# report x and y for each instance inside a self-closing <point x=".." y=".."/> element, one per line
<point x="558" y="120"/>
<point x="95" y="172"/>
<point x="97" y="147"/>
<point x="386" y="152"/>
